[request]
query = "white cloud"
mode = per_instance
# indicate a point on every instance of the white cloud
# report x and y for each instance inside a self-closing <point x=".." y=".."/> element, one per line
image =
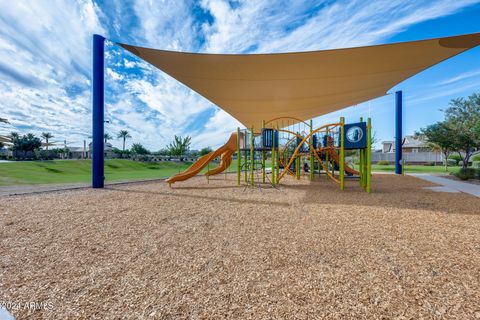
<point x="175" y="104"/>
<point x="129" y="64"/>
<point x="449" y="91"/>
<point x="167" y="24"/>
<point x="48" y="45"/>
<point x="217" y="130"/>
<point x="45" y="84"/>
<point x="461" y="77"/>
<point x="46" y="111"/>
<point x="114" y="75"/>
<point x="286" y="26"/>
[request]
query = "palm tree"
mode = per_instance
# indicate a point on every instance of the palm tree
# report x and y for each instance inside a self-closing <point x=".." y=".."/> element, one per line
<point x="14" y="136"/>
<point x="46" y="136"/>
<point x="106" y="137"/>
<point x="4" y="120"/>
<point x="124" y="134"/>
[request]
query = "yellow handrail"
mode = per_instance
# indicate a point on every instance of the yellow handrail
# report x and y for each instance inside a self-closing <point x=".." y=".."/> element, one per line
<point x="292" y="118"/>
<point x="312" y="149"/>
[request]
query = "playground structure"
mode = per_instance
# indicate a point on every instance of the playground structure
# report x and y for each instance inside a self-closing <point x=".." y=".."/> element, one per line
<point x="293" y="146"/>
<point x="302" y="85"/>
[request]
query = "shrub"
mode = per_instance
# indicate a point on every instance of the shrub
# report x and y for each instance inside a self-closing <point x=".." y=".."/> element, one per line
<point x="138" y="149"/>
<point x="383" y="163"/>
<point x="161" y="152"/>
<point x="455" y="157"/>
<point x="205" y="151"/>
<point x="468" y="173"/>
<point x="429" y="164"/>
<point x="452" y="162"/>
<point x="476" y="164"/>
<point x="45" y="154"/>
<point x="119" y="153"/>
<point x="476" y="157"/>
<point x="142" y="158"/>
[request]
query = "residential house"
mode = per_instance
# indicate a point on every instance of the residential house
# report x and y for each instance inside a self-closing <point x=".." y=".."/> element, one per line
<point x="411" y="144"/>
<point x="414" y="149"/>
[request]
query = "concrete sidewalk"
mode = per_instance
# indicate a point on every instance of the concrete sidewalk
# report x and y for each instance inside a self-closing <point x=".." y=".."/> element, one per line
<point x="448" y="185"/>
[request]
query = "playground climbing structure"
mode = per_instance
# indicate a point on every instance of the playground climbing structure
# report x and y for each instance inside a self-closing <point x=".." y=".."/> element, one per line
<point x="293" y="147"/>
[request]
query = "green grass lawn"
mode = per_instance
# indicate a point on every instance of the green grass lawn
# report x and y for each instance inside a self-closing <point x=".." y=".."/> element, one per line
<point x="414" y="169"/>
<point x="73" y="171"/>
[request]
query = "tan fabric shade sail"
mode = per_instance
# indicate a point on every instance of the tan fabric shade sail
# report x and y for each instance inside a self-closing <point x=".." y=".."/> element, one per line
<point x="256" y="87"/>
<point x="5" y="139"/>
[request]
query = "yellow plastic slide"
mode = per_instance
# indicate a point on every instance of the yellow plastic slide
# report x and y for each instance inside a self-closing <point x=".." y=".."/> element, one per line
<point x="202" y="162"/>
<point x="336" y="158"/>
<point x="225" y="161"/>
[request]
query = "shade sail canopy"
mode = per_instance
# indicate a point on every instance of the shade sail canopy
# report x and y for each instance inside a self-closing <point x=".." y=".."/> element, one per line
<point x="5" y="139"/>
<point x="256" y="87"/>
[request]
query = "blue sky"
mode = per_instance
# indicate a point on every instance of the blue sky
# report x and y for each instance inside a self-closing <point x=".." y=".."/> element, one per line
<point x="45" y="60"/>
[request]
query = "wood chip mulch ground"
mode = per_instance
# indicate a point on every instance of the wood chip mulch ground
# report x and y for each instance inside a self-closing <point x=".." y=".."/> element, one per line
<point x="215" y="251"/>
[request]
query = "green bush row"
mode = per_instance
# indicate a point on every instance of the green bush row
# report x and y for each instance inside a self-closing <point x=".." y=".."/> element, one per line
<point x="383" y="163"/>
<point x="468" y="173"/>
<point x="454" y="159"/>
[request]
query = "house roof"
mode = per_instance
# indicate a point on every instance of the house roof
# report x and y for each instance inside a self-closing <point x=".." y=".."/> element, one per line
<point x="257" y="87"/>
<point x="410" y="142"/>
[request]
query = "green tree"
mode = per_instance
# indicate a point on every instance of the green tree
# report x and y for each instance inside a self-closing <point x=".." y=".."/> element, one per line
<point x="193" y="153"/>
<point x="455" y="157"/>
<point x="162" y="152"/>
<point x="46" y="136"/>
<point x="179" y="146"/>
<point x="205" y="151"/>
<point x="124" y="134"/>
<point x="120" y="152"/>
<point x="476" y="132"/>
<point x="439" y="136"/>
<point x="106" y="137"/>
<point x="463" y="117"/>
<point x="26" y="143"/>
<point x="137" y="148"/>
<point x="14" y="136"/>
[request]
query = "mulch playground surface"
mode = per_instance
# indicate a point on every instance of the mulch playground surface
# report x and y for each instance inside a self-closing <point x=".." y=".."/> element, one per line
<point x="214" y="251"/>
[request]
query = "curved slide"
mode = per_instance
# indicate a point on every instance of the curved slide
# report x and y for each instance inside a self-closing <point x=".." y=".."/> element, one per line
<point x="336" y="158"/>
<point x="226" y="151"/>
<point x="225" y="161"/>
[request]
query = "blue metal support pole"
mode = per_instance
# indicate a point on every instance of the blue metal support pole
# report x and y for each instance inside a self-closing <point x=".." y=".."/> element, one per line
<point x="98" y="111"/>
<point x="398" y="132"/>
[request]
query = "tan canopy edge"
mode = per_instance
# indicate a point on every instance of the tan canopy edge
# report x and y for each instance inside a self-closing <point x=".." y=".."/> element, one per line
<point x="256" y="87"/>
